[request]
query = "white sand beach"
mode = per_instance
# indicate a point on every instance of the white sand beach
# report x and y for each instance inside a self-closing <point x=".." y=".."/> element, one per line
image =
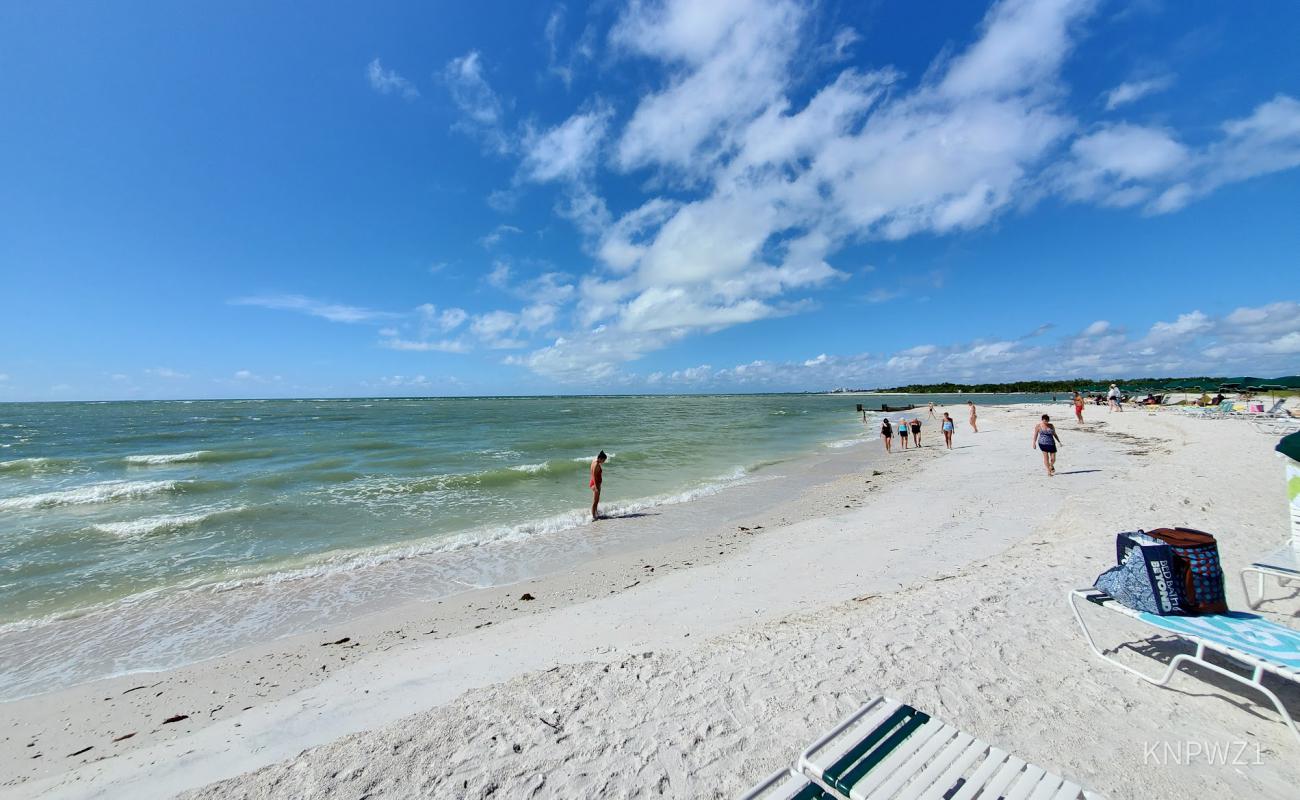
<point x="694" y="669"/>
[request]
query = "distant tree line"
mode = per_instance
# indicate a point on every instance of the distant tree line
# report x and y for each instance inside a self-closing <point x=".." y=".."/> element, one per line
<point x="1204" y="382"/>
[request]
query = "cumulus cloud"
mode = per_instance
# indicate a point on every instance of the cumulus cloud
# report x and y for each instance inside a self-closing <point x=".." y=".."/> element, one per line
<point x="1125" y="165"/>
<point x="566" y="151"/>
<point x="1263" y="340"/>
<point x="755" y="179"/>
<point x="387" y="81"/>
<point x="787" y="186"/>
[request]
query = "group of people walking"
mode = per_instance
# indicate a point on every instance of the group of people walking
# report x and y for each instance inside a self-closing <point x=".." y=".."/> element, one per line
<point x="1046" y="440"/>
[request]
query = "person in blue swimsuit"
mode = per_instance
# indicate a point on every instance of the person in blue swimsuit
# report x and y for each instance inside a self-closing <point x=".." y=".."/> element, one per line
<point x="947" y="427"/>
<point x="1046" y="440"/>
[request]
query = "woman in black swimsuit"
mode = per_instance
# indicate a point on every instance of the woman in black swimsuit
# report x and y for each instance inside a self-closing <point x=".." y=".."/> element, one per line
<point x="916" y="430"/>
<point x="887" y="433"/>
<point x="1046" y="440"/>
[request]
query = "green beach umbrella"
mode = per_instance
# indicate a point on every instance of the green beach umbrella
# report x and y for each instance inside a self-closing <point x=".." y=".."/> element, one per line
<point x="1289" y="446"/>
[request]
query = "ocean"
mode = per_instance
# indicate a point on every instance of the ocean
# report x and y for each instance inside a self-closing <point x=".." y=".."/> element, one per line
<point x="143" y="535"/>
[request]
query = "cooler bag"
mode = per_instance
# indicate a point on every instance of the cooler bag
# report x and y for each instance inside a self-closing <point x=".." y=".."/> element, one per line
<point x="1197" y="554"/>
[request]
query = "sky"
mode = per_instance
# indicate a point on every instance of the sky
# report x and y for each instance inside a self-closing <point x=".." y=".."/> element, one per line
<point x="272" y="199"/>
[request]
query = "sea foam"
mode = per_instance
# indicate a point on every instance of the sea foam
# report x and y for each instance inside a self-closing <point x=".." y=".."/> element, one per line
<point x="88" y="495"/>
<point x="167" y="458"/>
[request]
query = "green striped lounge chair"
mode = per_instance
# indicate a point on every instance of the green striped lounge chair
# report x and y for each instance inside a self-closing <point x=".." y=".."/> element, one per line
<point x="887" y="749"/>
<point x="1262" y="646"/>
<point x="1282" y="564"/>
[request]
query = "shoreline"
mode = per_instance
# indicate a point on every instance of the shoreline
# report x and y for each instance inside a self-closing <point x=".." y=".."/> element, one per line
<point x="625" y="559"/>
<point x="440" y="568"/>
<point x="718" y="590"/>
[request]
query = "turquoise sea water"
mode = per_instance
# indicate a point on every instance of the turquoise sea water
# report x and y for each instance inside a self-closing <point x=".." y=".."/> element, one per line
<point x="106" y="507"/>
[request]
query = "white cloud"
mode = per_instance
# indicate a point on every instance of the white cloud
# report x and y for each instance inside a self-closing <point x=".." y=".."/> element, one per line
<point x="482" y="109"/>
<point x="728" y="61"/>
<point x="567" y="151"/>
<point x="425" y="346"/>
<point x="1023" y="44"/>
<point x="496" y="328"/>
<point x="432" y="321"/>
<point x="1262" y="341"/>
<point x="1186" y="324"/>
<point x="334" y="312"/>
<point x="494" y="238"/>
<point x="1132" y="91"/>
<point x="1097" y="328"/>
<point x="788" y="186"/>
<point x="387" y="81"/>
<point x="881" y="295"/>
<point x="1123" y="165"/>
<point x="756" y="177"/>
<point x="499" y="276"/>
<point x="165" y="372"/>
<point x="561" y="65"/>
<point x="405" y="382"/>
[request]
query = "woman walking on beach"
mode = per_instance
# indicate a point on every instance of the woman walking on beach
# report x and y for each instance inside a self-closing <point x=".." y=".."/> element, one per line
<point x="1078" y="406"/>
<point x="1046" y="440"/>
<point x="947" y="427"/>
<point x="916" y="430"/>
<point x="597" y="478"/>
<point x="973" y="427"/>
<point x="902" y="432"/>
<point x="887" y="433"/>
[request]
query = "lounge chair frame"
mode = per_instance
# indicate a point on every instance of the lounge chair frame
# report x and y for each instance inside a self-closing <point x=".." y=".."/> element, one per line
<point x="901" y="753"/>
<point x="1258" y="666"/>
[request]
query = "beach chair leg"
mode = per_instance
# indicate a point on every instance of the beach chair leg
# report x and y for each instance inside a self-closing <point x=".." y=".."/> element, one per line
<point x="1254" y="682"/>
<point x="1245" y="588"/>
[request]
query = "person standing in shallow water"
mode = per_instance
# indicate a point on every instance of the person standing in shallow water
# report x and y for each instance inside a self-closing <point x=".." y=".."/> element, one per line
<point x="1046" y="440"/>
<point x="597" y="477"/>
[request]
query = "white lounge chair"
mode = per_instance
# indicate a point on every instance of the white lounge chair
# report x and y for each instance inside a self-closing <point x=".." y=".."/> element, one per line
<point x="1283" y="563"/>
<point x="887" y="749"/>
<point x="1265" y="647"/>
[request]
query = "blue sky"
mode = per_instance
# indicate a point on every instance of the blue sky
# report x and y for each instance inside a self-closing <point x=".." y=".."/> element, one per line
<point x="260" y="199"/>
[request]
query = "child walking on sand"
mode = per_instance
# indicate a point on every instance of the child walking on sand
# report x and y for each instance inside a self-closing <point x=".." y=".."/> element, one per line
<point x="1046" y="440"/>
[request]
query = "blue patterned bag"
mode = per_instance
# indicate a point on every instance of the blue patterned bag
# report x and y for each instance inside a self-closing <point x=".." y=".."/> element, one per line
<point x="1147" y="576"/>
